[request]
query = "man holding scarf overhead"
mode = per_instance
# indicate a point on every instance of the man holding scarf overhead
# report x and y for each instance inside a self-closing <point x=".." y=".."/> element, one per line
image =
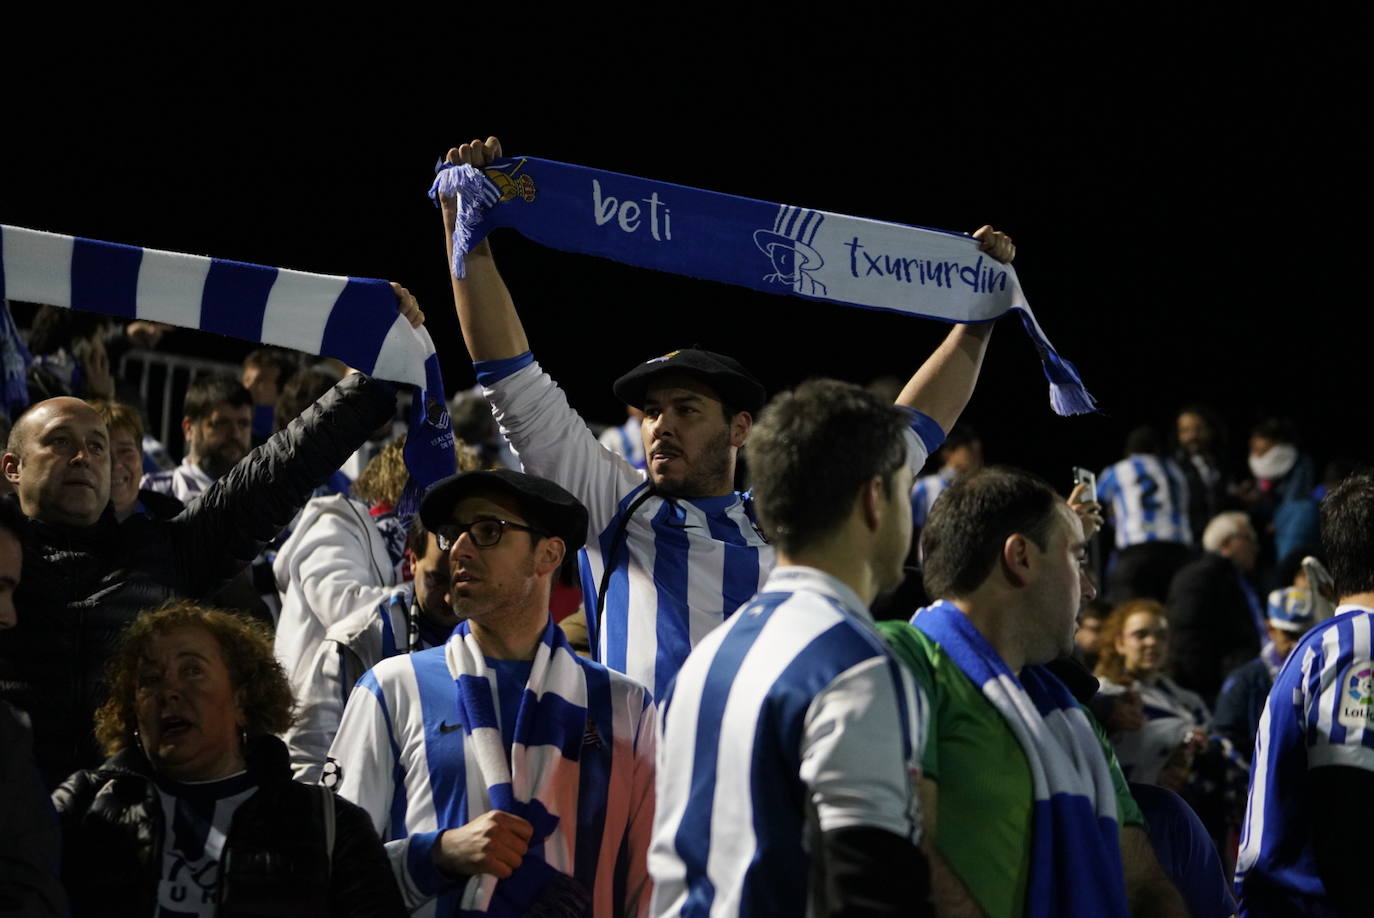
<point x="507" y="775"/>
<point x="1024" y="813"/>
<point x="87" y="576"/>
<point x="671" y="551"/>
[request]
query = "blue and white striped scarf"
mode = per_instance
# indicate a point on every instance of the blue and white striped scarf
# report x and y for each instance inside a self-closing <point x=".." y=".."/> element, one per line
<point x="550" y="731"/>
<point x="1075" y="866"/>
<point x="350" y="318"/>
<point x="774" y="248"/>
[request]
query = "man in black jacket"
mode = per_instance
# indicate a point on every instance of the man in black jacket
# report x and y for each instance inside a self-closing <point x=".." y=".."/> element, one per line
<point x="1215" y="616"/>
<point x="86" y="576"/>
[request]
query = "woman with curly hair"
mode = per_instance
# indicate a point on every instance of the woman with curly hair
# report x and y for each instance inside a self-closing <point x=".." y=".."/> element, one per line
<point x="1133" y="651"/>
<point x="194" y="812"/>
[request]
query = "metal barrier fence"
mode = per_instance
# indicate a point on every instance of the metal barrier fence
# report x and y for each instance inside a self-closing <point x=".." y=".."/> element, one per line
<point x="162" y="380"/>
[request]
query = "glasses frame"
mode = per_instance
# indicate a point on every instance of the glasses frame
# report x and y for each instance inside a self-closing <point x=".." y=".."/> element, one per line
<point x="447" y="535"/>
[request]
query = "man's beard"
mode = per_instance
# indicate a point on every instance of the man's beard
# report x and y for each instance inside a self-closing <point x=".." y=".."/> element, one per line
<point x="219" y="462"/>
<point x="703" y="479"/>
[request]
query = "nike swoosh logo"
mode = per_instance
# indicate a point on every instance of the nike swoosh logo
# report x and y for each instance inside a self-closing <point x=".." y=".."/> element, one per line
<point x="445" y="727"/>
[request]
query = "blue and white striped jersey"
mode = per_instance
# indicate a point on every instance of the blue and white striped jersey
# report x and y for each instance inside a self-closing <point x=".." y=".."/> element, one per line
<point x="1320" y="712"/>
<point x="1147" y="498"/>
<point x="679" y="567"/>
<point x="924" y="492"/>
<point x="401" y="754"/>
<point x="792" y="719"/>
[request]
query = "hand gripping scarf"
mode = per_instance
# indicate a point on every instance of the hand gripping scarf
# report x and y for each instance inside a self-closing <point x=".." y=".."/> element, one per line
<point x="774" y="248"/>
<point x="1075" y="865"/>
<point x="550" y="728"/>
<point x="349" y="318"/>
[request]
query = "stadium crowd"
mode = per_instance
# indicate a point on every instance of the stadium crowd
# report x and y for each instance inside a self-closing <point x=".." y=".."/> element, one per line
<point x="615" y="672"/>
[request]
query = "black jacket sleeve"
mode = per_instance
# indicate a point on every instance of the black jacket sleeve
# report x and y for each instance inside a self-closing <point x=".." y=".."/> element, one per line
<point x="362" y="882"/>
<point x="246" y="509"/>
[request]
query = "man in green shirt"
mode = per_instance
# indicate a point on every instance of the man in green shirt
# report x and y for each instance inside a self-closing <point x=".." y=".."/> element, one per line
<point x="1004" y="553"/>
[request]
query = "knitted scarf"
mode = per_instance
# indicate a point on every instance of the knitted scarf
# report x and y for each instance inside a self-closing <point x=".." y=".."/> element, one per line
<point x="349" y="318"/>
<point x="1075" y="852"/>
<point x="775" y="248"/>
<point x="550" y="730"/>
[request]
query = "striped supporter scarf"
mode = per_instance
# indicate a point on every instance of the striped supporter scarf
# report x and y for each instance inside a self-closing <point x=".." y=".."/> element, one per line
<point x="550" y="730"/>
<point x="775" y="248"/>
<point x="1075" y="852"/>
<point x="349" y="318"/>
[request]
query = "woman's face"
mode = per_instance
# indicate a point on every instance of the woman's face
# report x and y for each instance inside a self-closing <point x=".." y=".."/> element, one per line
<point x="1144" y="643"/>
<point x="188" y="713"/>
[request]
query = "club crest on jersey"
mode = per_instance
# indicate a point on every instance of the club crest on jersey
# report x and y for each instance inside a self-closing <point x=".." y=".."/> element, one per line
<point x="1357" y="695"/>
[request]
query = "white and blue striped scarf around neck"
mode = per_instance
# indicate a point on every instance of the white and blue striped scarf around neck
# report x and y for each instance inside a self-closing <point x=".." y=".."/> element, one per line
<point x="774" y="248"/>
<point x="349" y="318"/>
<point x="1075" y="862"/>
<point x="550" y="729"/>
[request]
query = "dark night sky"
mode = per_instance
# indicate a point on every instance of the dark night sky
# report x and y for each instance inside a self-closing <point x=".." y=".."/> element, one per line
<point x="1173" y="184"/>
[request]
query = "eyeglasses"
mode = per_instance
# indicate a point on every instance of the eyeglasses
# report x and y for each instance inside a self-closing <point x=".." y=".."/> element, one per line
<point x="484" y="533"/>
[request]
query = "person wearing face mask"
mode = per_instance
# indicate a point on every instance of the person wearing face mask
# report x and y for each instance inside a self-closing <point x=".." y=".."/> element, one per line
<point x="194" y="813"/>
<point x="1284" y="480"/>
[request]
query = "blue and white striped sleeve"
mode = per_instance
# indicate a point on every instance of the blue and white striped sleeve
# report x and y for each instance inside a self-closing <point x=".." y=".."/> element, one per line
<point x="551" y="438"/>
<point x="366" y="762"/>
<point x="1338" y="694"/>
<point x="863" y="739"/>
<point x="924" y="438"/>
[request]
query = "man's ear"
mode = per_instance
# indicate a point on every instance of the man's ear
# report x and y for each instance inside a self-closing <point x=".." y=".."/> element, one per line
<point x="872" y="498"/>
<point x="186" y="429"/>
<point x="10" y="463"/>
<point x="549" y="554"/>
<point x="1017" y="560"/>
<point x="740" y="425"/>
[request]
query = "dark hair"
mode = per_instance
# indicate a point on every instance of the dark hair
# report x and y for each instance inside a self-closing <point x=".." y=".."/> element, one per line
<point x="264" y="695"/>
<point x="56" y="327"/>
<point x="1348" y="534"/>
<point x="285" y="362"/>
<point x="1143" y="439"/>
<point x="1280" y="430"/>
<point x="12" y="519"/>
<point x="974" y="517"/>
<point x="300" y="392"/>
<point x="209" y="392"/>
<point x="811" y="452"/>
<point x="962" y="435"/>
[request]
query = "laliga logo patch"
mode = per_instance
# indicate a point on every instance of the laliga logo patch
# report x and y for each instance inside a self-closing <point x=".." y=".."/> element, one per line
<point x="668" y="356"/>
<point x="1357" y="695"/>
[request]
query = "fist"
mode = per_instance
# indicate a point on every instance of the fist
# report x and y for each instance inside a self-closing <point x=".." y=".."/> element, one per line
<point x="493" y="843"/>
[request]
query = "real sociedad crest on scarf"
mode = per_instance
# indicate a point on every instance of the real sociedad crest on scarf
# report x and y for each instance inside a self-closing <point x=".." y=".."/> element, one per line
<point x="788" y="247"/>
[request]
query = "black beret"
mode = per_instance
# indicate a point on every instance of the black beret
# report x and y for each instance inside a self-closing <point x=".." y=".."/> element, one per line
<point x="548" y="506"/>
<point x="737" y="386"/>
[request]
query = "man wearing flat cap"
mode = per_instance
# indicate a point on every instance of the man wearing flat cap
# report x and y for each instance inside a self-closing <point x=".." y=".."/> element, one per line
<point x="507" y="774"/>
<point x="672" y="550"/>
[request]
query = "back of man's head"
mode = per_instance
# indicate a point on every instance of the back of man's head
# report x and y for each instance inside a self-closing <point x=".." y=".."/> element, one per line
<point x="1348" y="534"/>
<point x="967" y="527"/>
<point x="209" y="392"/>
<point x="810" y="453"/>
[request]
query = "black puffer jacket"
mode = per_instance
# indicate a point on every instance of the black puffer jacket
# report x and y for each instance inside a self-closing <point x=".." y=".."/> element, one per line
<point x="82" y="586"/>
<point x="274" y="860"/>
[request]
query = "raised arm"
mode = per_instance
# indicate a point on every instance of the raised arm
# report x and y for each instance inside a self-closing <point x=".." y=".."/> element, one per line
<point x="944" y="383"/>
<point x="486" y="312"/>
